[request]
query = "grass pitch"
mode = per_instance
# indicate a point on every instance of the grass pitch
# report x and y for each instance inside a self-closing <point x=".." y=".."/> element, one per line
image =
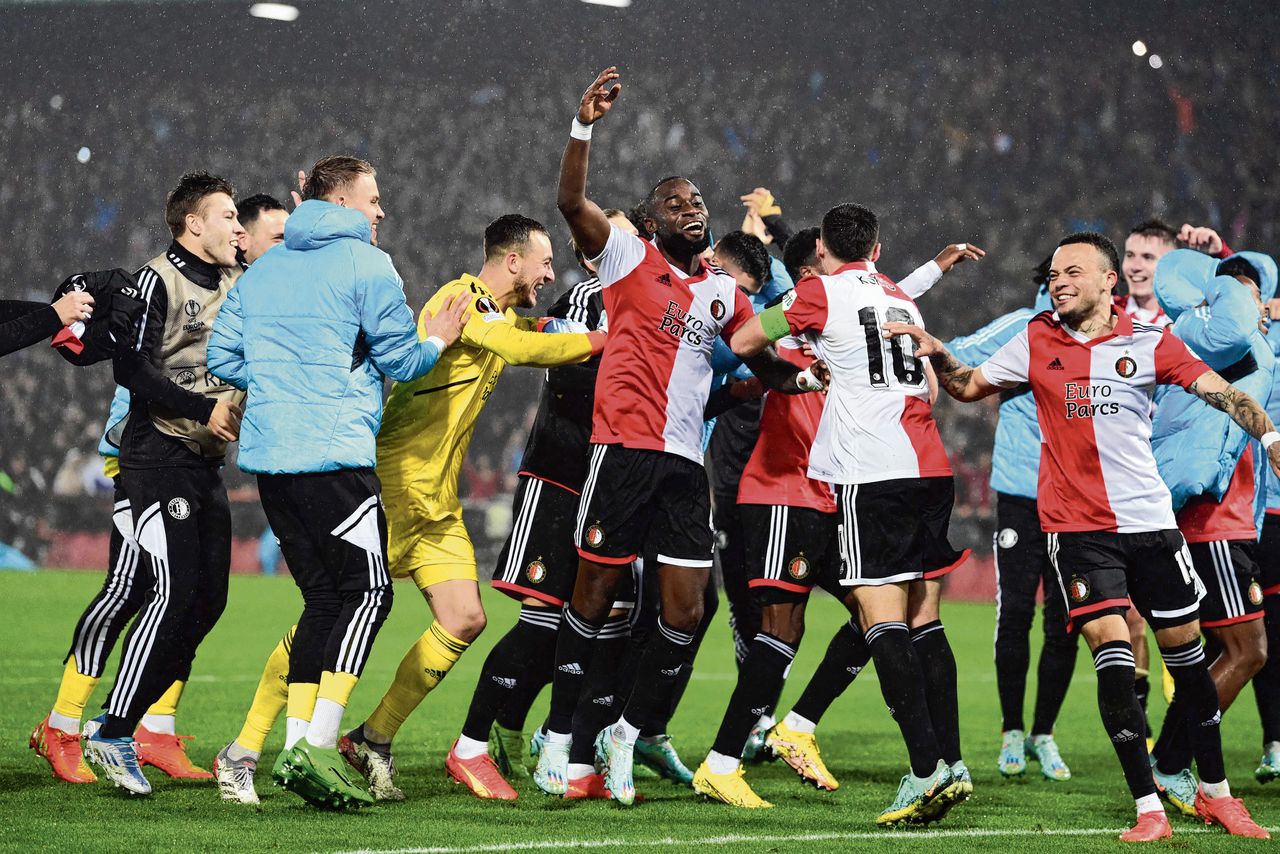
<point x="860" y="744"/>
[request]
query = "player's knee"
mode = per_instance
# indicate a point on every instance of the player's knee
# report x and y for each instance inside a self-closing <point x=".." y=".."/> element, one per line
<point x="466" y="625"/>
<point x="684" y="619"/>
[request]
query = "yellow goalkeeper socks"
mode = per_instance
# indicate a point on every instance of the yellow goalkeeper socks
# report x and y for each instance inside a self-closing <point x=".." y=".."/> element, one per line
<point x="301" y="704"/>
<point x="270" y="698"/>
<point x="73" y="695"/>
<point x="426" y="663"/>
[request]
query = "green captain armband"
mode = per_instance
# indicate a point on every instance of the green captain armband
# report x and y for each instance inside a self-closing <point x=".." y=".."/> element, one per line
<point x="774" y="322"/>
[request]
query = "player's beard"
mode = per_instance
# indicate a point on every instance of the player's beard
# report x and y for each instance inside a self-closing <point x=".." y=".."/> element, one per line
<point x="679" y="245"/>
<point x="526" y="292"/>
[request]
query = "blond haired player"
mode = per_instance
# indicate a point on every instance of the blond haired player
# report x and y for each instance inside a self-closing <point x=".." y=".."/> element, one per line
<point x="426" y="429"/>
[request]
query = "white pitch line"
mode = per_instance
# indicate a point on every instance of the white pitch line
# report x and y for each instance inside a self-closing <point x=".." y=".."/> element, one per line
<point x="898" y="836"/>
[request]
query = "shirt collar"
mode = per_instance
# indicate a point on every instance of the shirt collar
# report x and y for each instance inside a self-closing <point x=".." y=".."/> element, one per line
<point x="199" y="271"/>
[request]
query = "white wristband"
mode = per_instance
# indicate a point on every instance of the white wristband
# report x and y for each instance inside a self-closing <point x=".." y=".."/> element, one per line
<point x="439" y="342"/>
<point x="580" y="131"/>
<point x="806" y="381"/>
<point x="1269" y="439"/>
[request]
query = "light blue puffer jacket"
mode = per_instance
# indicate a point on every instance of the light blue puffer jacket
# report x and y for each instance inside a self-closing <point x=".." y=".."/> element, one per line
<point x="1196" y="446"/>
<point x="1015" y="457"/>
<point x="309" y="331"/>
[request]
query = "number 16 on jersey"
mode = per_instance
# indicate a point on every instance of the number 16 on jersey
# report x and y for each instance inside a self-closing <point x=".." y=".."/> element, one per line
<point x="907" y="369"/>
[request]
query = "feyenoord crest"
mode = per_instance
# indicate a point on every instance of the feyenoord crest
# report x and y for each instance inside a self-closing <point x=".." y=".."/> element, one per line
<point x="1078" y="589"/>
<point x="536" y="571"/>
<point x="1007" y="538"/>
<point x="595" y="536"/>
<point x="799" y="567"/>
<point x="717" y="309"/>
<point x="1255" y="592"/>
<point x="179" y="508"/>
<point x="1126" y="366"/>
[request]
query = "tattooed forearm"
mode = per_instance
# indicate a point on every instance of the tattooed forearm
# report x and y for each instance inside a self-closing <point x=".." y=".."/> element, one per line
<point x="1242" y="408"/>
<point x="953" y="374"/>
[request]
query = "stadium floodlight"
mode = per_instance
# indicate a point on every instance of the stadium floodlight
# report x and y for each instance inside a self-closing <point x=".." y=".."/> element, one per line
<point x="1155" y="61"/>
<point x="1139" y="48"/>
<point x="616" y="4"/>
<point x="274" y="11"/>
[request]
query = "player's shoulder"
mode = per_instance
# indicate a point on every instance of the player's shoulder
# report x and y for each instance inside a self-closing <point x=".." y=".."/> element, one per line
<point x="1046" y="319"/>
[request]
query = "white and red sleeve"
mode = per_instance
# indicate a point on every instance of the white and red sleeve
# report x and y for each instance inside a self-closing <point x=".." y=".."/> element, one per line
<point x="805" y="307"/>
<point x="1011" y="364"/>
<point x="622" y="253"/>
<point x="1175" y="363"/>
<point x="742" y="312"/>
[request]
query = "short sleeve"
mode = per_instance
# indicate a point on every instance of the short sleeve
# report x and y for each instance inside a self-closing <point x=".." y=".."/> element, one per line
<point x="1009" y="365"/>
<point x="1175" y="363"/>
<point x="742" y="312"/>
<point x="805" y="306"/>
<point x="622" y="253"/>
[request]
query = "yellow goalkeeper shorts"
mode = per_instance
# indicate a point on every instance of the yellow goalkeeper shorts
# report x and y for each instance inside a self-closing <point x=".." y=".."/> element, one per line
<point x="440" y="551"/>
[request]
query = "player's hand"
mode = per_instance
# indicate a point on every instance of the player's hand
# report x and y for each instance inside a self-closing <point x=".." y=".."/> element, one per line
<point x="958" y="253"/>
<point x="302" y="183"/>
<point x="760" y="202"/>
<point x="753" y="224"/>
<point x="599" y="98"/>
<point x="823" y="373"/>
<point x="926" y="344"/>
<point x="1201" y="238"/>
<point x="225" y="421"/>
<point x="448" y="321"/>
<point x="1271" y="310"/>
<point x="73" y="306"/>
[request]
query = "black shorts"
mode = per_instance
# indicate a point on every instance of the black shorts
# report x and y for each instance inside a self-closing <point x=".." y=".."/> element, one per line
<point x="1232" y="586"/>
<point x="791" y="549"/>
<point x="894" y="531"/>
<point x="644" y="502"/>
<point x="1102" y="572"/>
<point x="538" y="560"/>
<point x="1268" y="555"/>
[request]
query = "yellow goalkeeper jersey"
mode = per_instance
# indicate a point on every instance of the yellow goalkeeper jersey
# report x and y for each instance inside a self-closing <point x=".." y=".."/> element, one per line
<point x="427" y="423"/>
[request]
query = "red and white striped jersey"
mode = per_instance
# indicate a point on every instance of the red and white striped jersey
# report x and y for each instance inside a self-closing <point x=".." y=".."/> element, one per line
<point x="1093" y="401"/>
<point x="1130" y="306"/>
<point x="778" y="471"/>
<point x="877" y="423"/>
<point x="655" y="374"/>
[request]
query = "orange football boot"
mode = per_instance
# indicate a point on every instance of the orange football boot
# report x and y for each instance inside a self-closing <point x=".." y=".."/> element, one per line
<point x="168" y="753"/>
<point x="480" y="775"/>
<point x="62" y="749"/>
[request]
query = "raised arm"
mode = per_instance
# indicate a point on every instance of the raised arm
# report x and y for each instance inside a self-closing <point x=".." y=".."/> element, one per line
<point x="586" y="220"/>
<point x="961" y="381"/>
<point x="1243" y="409"/>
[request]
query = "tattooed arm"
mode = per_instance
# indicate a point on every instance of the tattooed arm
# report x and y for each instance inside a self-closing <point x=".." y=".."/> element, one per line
<point x="960" y="381"/>
<point x="1243" y="409"/>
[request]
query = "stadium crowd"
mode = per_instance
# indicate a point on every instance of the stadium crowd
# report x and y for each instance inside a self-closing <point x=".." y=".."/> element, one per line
<point x="1008" y="147"/>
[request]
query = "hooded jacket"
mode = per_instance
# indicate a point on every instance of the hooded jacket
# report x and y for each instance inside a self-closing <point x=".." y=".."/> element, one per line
<point x="1015" y="457"/>
<point x="1196" y="446"/>
<point x="310" y="331"/>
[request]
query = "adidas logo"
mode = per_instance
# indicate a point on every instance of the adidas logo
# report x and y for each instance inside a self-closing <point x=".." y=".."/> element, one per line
<point x="604" y="701"/>
<point x="1056" y="365"/>
<point x="1124" y="735"/>
<point x="675" y="671"/>
<point x="664" y="279"/>
<point x="854" y="671"/>
<point x="1213" y="721"/>
<point x="572" y="668"/>
<point x="760" y="711"/>
<point x="505" y="681"/>
<point x="433" y="674"/>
